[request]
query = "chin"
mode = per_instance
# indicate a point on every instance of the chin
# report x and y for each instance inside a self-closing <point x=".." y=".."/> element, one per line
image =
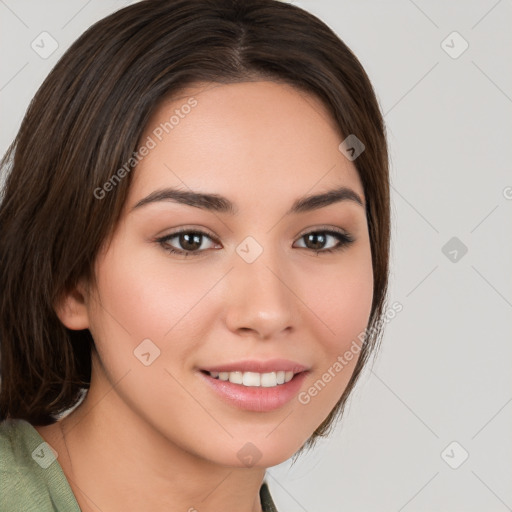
<point x="259" y="452"/>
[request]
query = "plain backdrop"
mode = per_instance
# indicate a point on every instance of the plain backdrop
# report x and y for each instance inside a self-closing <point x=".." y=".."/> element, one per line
<point x="428" y="428"/>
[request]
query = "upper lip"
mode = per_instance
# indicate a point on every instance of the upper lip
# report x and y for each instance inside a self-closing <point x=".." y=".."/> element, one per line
<point x="270" y="365"/>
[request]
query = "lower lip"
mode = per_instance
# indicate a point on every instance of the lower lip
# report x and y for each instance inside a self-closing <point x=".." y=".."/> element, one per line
<point x="256" y="398"/>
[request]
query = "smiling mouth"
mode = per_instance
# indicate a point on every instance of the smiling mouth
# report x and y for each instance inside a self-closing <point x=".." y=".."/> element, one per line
<point x="254" y="379"/>
<point x="256" y="391"/>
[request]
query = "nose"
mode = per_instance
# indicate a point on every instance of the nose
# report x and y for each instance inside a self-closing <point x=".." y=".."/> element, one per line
<point x="260" y="297"/>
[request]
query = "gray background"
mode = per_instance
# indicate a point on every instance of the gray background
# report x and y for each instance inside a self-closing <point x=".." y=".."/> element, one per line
<point x="443" y="374"/>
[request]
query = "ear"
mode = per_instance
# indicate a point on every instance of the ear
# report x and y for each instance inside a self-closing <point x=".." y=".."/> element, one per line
<point x="72" y="309"/>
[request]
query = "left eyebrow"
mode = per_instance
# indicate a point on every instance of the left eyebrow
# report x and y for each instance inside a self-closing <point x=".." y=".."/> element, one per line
<point x="221" y="204"/>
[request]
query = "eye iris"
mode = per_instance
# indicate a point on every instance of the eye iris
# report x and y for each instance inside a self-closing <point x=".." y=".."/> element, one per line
<point x="315" y="237"/>
<point x="187" y="244"/>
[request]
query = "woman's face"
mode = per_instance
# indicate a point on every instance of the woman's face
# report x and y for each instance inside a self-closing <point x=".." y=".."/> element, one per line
<point x="256" y="285"/>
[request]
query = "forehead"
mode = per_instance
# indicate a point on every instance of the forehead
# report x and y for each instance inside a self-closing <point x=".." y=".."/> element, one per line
<point x="243" y="138"/>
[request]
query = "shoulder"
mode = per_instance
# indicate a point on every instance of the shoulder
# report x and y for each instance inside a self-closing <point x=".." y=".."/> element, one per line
<point x="16" y="472"/>
<point x="30" y="477"/>
<point x="17" y="447"/>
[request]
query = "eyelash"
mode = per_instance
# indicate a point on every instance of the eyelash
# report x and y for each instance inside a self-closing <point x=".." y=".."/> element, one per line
<point x="344" y="240"/>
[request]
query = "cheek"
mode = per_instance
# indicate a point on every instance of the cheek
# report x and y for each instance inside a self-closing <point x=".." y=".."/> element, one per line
<point x="343" y="302"/>
<point x="148" y="297"/>
<point x="343" y="306"/>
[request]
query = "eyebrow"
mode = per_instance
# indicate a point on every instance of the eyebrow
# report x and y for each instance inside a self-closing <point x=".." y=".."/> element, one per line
<point x="221" y="204"/>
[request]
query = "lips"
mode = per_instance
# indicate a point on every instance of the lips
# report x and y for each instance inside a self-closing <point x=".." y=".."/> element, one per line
<point x="255" y="398"/>
<point x="253" y="385"/>
<point x="270" y="365"/>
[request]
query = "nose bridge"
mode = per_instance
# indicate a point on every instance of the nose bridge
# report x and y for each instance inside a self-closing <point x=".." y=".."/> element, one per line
<point x="260" y="298"/>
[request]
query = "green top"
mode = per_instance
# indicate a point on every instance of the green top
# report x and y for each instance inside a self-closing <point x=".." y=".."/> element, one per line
<point x="32" y="480"/>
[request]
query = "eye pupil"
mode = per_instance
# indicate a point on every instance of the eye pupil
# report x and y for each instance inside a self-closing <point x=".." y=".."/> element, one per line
<point x="315" y="237"/>
<point x="187" y="244"/>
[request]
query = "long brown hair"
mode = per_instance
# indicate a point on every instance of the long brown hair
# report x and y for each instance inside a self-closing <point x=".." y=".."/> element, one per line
<point x="85" y="123"/>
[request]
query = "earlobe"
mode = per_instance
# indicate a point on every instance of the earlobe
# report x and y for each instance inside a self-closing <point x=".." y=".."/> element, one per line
<point x="72" y="309"/>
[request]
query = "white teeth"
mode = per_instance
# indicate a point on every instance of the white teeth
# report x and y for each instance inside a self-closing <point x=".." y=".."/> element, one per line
<point x="253" y="379"/>
<point x="235" y="377"/>
<point x="268" y="380"/>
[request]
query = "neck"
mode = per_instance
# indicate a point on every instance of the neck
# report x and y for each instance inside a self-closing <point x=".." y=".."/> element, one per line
<point x="122" y="463"/>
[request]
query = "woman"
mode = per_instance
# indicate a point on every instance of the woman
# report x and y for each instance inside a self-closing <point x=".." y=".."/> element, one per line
<point x="194" y="258"/>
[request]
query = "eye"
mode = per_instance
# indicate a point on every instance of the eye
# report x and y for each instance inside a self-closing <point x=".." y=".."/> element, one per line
<point x="316" y="240"/>
<point x="191" y="241"/>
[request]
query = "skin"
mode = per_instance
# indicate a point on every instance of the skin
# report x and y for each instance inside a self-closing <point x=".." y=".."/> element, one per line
<point x="261" y="144"/>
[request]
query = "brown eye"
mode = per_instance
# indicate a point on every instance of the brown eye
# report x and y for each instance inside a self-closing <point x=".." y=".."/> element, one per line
<point x="187" y="242"/>
<point x="317" y="240"/>
<point x="190" y="242"/>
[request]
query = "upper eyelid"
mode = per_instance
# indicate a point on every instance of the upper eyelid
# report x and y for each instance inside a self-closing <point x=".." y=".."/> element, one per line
<point x="201" y="231"/>
<point x="189" y="230"/>
<point x="322" y="229"/>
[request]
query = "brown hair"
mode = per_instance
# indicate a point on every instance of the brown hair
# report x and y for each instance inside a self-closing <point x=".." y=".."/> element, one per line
<point x="85" y="122"/>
